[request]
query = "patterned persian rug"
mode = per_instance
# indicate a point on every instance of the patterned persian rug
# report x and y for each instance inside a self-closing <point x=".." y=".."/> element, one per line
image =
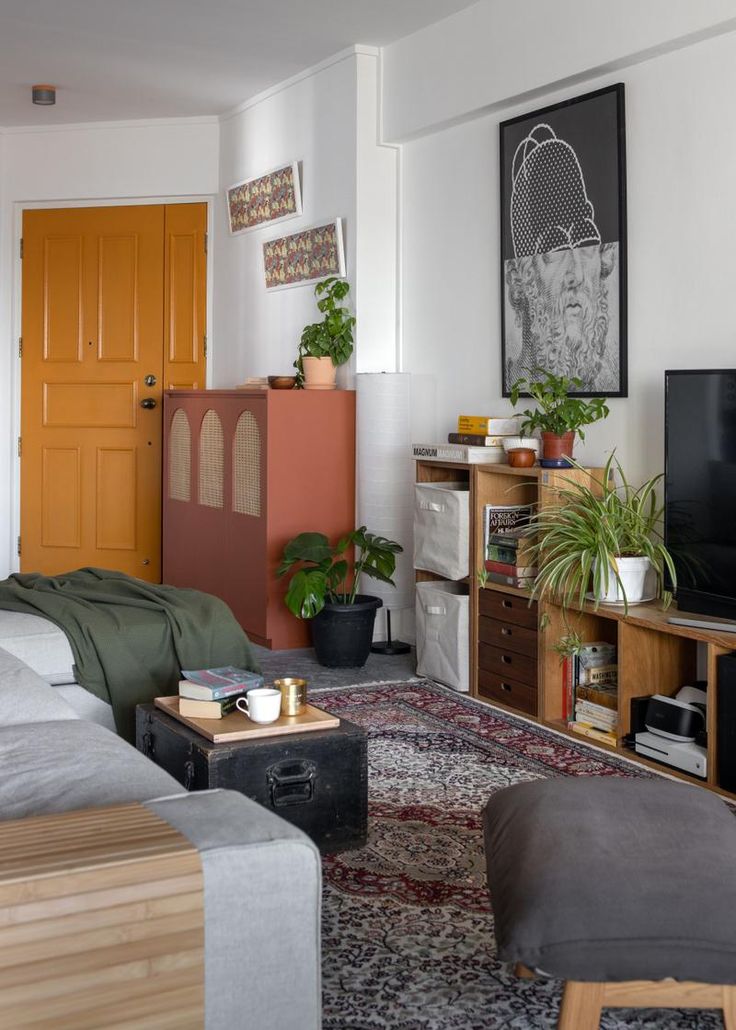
<point x="408" y="931"/>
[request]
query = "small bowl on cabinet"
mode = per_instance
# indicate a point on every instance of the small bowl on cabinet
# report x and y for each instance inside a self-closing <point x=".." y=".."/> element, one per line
<point x="521" y="457"/>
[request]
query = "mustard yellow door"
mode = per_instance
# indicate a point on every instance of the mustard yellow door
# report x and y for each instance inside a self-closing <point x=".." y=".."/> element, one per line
<point x="113" y="313"/>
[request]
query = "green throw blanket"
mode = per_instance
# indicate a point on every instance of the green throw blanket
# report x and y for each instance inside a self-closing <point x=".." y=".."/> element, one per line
<point x="131" y="639"/>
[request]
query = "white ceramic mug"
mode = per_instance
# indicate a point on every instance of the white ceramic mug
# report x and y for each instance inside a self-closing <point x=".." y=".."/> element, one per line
<point x="263" y="704"/>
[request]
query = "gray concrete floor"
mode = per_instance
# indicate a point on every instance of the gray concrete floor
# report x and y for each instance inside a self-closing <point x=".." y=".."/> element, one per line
<point x="302" y="663"/>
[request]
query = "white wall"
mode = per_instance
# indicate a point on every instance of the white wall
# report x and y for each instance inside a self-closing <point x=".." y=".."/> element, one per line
<point x="327" y="119"/>
<point x="496" y="53"/>
<point x="681" y="153"/>
<point x="80" y="163"/>
<point x="311" y="120"/>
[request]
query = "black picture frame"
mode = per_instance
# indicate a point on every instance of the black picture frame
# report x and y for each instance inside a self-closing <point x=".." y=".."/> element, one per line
<point x="563" y="243"/>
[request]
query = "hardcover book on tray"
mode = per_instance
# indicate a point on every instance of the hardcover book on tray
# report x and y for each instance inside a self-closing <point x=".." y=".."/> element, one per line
<point x="214" y="684"/>
<point x="217" y="709"/>
<point x="460" y="453"/>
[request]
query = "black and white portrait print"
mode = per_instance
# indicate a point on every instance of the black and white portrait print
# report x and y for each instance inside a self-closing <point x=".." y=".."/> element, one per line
<point x="563" y="245"/>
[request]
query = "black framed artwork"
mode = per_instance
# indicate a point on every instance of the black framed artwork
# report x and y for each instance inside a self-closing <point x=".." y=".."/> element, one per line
<point x="563" y="243"/>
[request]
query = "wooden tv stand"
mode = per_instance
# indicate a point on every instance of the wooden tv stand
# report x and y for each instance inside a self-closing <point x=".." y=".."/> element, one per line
<point x="513" y="664"/>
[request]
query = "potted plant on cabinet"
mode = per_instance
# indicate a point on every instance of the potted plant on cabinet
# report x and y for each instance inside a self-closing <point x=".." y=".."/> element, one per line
<point x="324" y="589"/>
<point x="325" y="345"/>
<point x="559" y="416"/>
<point x="601" y="542"/>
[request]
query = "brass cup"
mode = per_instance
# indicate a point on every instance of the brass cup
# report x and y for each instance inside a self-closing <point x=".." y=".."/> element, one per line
<point x="293" y="695"/>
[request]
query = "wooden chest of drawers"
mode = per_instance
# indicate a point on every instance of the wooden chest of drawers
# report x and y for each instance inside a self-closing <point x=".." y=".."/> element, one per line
<point x="507" y="650"/>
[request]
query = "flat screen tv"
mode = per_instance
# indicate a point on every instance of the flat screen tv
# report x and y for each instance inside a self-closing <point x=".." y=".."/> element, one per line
<point x="700" y="488"/>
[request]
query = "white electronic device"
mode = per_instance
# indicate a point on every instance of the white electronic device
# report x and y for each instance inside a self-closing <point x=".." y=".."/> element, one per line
<point x="684" y="755"/>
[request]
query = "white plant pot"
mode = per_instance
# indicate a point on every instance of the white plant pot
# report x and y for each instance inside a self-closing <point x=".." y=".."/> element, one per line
<point x="638" y="579"/>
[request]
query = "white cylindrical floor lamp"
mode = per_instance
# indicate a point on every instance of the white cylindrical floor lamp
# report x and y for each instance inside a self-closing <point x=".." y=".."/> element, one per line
<point x="385" y="483"/>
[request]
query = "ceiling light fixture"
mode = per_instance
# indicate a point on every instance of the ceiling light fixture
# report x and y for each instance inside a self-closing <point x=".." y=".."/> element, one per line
<point x="43" y="94"/>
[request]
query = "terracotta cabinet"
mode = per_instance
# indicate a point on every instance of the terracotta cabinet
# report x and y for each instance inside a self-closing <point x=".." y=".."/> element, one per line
<point x="244" y="471"/>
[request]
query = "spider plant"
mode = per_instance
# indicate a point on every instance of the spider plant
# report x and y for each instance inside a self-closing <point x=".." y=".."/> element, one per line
<point x="579" y="541"/>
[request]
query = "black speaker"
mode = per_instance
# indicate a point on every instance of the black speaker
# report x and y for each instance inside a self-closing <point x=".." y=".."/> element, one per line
<point x="726" y="721"/>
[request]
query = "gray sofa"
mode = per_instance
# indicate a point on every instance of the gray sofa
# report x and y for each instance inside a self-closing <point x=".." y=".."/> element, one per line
<point x="262" y="881"/>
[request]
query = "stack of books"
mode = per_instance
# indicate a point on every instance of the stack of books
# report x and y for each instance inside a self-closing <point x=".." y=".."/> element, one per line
<point x="213" y="693"/>
<point x="590" y="691"/>
<point x="507" y="548"/>
<point x="478" y="440"/>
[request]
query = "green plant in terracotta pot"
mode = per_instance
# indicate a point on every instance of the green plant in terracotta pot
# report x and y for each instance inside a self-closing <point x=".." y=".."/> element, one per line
<point x="558" y="415"/>
<point x="325" y="345"/>
<point x="324" y="589"/>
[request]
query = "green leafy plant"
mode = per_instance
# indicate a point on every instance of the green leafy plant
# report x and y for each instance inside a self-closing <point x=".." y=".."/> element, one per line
<point x="333" y="336"/>
<point x="325" y="574"/>
<point x="578" y="540"/>
<point x="558" y="412"/>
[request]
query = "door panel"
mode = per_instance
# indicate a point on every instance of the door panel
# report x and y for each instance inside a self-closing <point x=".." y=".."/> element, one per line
<point x="185" y="307"/>
<point x="63" y="287"/>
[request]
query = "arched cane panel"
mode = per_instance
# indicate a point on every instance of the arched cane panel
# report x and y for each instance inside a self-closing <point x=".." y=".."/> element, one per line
<point x="180" y="457"/>
<point x="247" y="466"/>
<point x="211" y="461"/>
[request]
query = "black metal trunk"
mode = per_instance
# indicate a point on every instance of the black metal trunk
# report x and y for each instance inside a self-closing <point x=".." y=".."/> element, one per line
<point x="317" y="781"/>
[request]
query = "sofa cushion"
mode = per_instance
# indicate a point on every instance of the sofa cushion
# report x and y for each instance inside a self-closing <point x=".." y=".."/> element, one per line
<point x="610" y="878"/>
<point x="59" y="766"/>
<point x="25" y="697"/>
<point x="40" y="643"/>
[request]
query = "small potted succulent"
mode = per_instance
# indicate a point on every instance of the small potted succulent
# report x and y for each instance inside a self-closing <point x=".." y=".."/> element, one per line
<point x="325" y="345"/>
<point x="601" y="542"/>
<point x="559" y="416"/>
<point x="324" y="589"/>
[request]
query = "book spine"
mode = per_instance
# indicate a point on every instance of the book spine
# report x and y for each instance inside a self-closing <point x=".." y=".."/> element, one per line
<point x="483" y="426"/>
<point x="214" y="693"/>
<point x="566" y="662"/>
<point x="603" y="674"/>
<point x="605" y="715"/>
<point x="476" y="439"/>
<point x="494" y="552"/>
<point x="511" y="581"/>
<point x="509" y="569"/>
<point x="606" y="699"/>
<point x="508" y="539"/>
<point x="590" y="731"/>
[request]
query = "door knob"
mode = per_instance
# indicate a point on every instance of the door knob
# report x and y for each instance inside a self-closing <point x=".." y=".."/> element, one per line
<point x="150" y="380"/>
<point x="149" y="402"/>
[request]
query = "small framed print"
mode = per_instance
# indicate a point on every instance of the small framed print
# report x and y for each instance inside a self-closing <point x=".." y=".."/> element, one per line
<point x="268" y="198"/>
<point x="304" y="256"/>
<point x="563" y="243"/>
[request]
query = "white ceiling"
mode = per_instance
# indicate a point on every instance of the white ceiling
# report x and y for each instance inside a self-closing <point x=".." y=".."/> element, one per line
<point x="131" y="59"/>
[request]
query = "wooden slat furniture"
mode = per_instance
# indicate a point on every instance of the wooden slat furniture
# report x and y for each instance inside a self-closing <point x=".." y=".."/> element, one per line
<point x="582" y="1002"/>
<point x="654" y="656"/>
<point x="101" y="923"/>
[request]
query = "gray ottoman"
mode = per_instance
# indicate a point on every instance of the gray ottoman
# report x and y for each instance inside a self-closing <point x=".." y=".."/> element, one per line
<point x="603" y="881"/>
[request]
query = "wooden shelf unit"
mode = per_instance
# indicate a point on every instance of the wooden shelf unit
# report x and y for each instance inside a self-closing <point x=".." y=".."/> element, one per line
<point x="654" y="656"/>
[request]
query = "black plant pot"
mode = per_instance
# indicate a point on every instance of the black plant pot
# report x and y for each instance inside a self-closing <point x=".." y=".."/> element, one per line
<point x="342" y="633"/>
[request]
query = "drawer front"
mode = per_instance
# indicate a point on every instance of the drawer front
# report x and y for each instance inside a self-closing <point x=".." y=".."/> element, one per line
<point x="508" y="608"/>
<point x="507" y="635"/>
<point x="508" y="691"/>
<point x="520" y="667"/>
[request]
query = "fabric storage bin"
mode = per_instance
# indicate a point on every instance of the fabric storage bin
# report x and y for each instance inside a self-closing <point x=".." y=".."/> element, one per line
<point x="441" y="529"/>
<point x="443" y="633"/>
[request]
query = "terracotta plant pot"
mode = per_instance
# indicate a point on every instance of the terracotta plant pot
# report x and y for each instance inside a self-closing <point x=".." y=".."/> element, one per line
<point x="319" y="374"/>
<point x="556" y="445"/>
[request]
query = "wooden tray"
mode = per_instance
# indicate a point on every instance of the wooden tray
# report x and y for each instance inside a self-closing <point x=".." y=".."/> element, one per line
<point x="237" y="725"/>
